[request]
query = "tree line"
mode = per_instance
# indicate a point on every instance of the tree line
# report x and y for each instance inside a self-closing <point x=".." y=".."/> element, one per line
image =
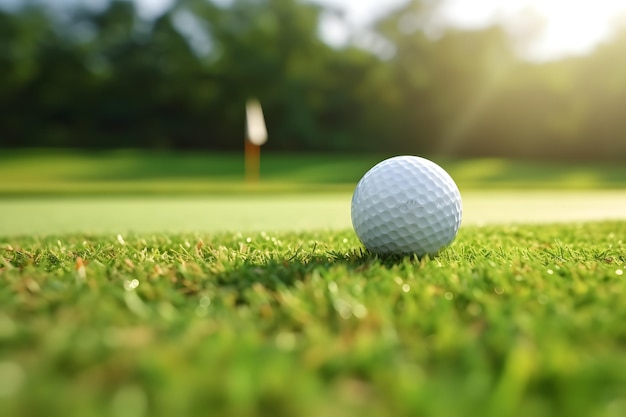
<point x="109" y="78"/>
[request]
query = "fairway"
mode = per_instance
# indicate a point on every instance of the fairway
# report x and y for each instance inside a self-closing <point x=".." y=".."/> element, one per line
<point x="54" y="192"/>
<point x="282" y="212"/>
<point x="148" y="173"/>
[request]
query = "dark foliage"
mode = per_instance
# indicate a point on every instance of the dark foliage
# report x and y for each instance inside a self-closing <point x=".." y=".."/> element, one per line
<point x="109" y="78"/>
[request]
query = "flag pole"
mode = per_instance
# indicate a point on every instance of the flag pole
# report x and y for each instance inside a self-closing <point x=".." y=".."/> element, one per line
<point x="253" y="161"/>
<point x="256" y="135"/>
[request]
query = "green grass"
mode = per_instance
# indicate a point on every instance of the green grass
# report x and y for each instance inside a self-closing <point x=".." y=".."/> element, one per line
<point x="41" y="216"/>
<point x="509" y="321"/>
<point x="49" y="172"/>
<point x="177" y="316"/>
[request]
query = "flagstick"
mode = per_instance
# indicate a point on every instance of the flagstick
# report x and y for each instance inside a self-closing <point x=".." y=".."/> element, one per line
<point x="256" y="135"/>
<point x="253" y="161"/>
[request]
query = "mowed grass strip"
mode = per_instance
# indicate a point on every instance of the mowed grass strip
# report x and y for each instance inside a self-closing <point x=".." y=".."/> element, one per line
<point x="40" y="216"/>
<point x="508" y="321"/>
<point x="130" y="172"/>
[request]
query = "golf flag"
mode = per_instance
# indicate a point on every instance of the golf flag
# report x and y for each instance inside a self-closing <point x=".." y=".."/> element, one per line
<point x="256" y="131"/>
<point x="256" y="135"/>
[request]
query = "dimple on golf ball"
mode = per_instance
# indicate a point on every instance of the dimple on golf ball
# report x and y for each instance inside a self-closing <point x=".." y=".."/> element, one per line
<point x="406" y="205"/>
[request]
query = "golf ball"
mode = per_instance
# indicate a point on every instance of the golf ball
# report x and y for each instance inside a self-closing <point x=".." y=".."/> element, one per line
<point x="406" y="205"/>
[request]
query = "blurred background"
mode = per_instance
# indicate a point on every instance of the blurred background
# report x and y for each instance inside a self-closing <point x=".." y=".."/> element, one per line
<point x="532" y="79"/>
<point x="148" y="96"/>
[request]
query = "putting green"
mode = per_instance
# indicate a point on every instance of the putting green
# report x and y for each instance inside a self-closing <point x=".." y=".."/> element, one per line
<point x="45" y="216"/>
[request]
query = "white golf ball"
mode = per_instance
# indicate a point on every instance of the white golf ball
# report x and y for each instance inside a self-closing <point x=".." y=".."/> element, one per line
<point x="406" y="205"/>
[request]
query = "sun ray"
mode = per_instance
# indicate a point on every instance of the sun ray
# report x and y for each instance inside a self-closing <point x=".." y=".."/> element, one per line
<point x="574" y="27"/>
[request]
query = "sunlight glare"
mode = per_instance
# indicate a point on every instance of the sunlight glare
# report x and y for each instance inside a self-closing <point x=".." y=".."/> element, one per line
<point x="569" y="27"/>
<point x="575" y="26"/>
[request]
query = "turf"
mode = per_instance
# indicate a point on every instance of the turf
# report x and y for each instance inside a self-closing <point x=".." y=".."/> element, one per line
<point x="278" y="212"/>
<point x="63" y="172"/>
<point x="508" y="321"/>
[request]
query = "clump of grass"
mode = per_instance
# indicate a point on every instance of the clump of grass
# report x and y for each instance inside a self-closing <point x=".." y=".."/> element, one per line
<point x="509" y="321"/>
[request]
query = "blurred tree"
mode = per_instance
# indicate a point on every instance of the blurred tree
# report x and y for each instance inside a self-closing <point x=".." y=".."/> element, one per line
<point x="268" y="49"/>
<point x="444" y="82"/>
<point x="110" y="78"/>
<point x="28" y="43"/>
<point x="601" y="83"/>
